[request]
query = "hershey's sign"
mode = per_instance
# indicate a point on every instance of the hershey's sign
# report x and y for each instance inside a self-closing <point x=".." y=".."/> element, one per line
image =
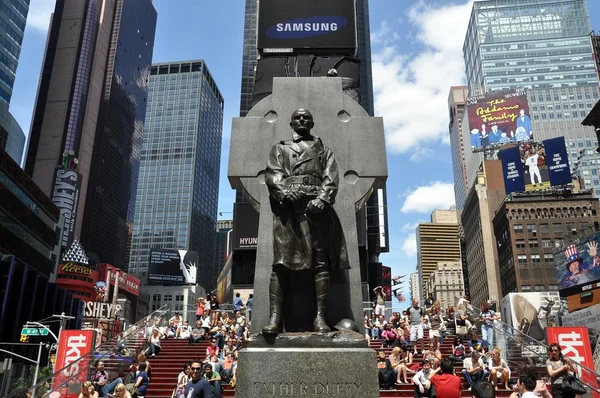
<point x="93" y="309"/>
<point x="65" y="195"/>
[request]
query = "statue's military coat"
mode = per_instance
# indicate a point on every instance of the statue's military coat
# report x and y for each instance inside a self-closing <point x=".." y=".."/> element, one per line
<point x="294" y="230"/>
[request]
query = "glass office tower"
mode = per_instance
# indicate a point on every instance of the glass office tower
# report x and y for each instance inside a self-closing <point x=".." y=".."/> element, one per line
<point x="178" y="188"/>
<point x="13" y="17"/>
<point x="528" y="44"/>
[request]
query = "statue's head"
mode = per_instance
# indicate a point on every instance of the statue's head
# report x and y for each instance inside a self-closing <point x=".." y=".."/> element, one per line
<point x="302" y="121"/>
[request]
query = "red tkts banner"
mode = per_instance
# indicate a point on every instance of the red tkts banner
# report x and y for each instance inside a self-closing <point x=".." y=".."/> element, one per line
<point x="73" y="345"/>
<point x="574" y="343"/>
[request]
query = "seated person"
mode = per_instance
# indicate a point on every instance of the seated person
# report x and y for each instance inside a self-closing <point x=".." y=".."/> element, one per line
<point x="212" y="349"/>
<point x="198" y="333"/>
<point x="227" y="367"/>
<point x="387" y="374"/>
<point x="389" y="336"/>
<point x="458" y="350"/>
<point x="215" y="362"/>
<point x="445" y="383"/>
<point x="214" y="378"/>
<point x="433" y="356"/>
<point x="476" y="344"/>
<point x="185" y="330"/>
<point x="230" y="347"/>
<point x="404" y="334"/>
<point x="171" y="330"/>
<point x="499" y="370"/>
<point x="154" y="341"/>
<point x="423" y="387"/>
<point x="101" y="380"/>
<point x="87" y="391"/>
<point x="473" y="368"/>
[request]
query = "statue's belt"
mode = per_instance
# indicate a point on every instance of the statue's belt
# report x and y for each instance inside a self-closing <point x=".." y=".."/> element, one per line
<point x="303" y="180"/>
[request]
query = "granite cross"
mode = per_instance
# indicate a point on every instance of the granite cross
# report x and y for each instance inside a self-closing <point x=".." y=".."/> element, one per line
<point x="358" y="143"/>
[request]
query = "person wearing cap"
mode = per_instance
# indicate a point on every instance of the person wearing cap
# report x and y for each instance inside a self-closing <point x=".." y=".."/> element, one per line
<point x="576" y="265"/>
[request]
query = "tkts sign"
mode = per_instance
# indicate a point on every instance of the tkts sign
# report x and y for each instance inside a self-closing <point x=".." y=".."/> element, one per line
<point x="65" y="195"/>
<point x="72" y="361"/>
<point x="574" y="343"/>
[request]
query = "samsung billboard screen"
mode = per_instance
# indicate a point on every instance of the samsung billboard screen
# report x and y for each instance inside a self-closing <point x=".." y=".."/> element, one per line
<point x="290" y="25"/>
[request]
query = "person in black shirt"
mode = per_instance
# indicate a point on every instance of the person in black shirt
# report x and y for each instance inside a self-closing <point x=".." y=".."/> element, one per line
<point x="387" y="374"/>
<point x="197" y="387"/>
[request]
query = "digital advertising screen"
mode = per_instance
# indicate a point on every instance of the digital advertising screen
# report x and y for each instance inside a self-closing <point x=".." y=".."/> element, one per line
<point x="532" y="166"/>
<point x="578" y="266"/>
<point x="172" y="267"/>
<point x="307" y="24"/>
<point x="499" y="118"/>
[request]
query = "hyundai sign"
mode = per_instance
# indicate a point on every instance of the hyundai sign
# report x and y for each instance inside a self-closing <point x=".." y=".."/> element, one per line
<point x="306" y="25"/>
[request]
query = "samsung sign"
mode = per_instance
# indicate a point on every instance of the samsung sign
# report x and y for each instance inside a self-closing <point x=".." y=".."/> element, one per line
<point x="307" y="25"/>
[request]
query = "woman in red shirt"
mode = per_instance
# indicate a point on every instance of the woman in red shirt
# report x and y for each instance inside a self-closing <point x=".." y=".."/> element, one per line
<point x="212" y="349"/>
<point x="446" y="384"/>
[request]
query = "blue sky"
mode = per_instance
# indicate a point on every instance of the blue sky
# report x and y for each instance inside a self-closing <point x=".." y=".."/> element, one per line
<point x="417" y="56"/>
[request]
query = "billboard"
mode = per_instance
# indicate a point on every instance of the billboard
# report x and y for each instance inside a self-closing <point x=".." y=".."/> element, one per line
<point x="65" y="195"/>
<point x="574" y="344"/>
<point x="578" y="266"/>
<point x="291" y="25"/>
<point x="72" y="345"/>
<point x="245" y="227"/>
<point x="172" y="267"/>
<point x="531" y="313"/>
<point x="499" y="118"/>
<point x="533" y="166"/>
<point x="589" y="317"/>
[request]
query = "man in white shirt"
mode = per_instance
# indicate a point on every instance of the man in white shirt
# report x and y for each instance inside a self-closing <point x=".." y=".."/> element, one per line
<point x="473" y="368"/>
<point x="421" y="381"/>
<point x="532" y="164"/>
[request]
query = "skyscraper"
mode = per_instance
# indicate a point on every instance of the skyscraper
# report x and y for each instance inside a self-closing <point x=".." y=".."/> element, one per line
<point x="176" y="205"/>
<point x="13" y="17"/>
<point x="456" y="109"/>
<point x="437" y="241"/>
<point x="86" y="134"/>
<point x="528" y="44"/>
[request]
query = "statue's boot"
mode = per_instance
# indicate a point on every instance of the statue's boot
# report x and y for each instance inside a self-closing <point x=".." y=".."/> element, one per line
<point x="275" y="325"/>
<point x="321" y="290"/>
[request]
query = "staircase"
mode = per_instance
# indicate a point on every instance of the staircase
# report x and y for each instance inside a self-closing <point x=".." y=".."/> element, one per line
<point x="169" y="363"/>
<point x="175" y="352"/>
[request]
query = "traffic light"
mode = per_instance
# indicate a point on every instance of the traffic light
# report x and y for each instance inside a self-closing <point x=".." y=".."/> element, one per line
<point x="24" y="338"/>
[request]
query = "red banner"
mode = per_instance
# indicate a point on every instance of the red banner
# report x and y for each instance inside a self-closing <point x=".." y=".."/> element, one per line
<point x="574" y="343"/>
<point x="72" y="345"/>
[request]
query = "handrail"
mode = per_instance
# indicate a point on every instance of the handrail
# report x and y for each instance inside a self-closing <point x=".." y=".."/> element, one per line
<point x="72" y="370"/>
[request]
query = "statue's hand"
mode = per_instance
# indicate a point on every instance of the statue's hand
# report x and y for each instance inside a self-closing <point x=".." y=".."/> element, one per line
<point x="315" y="206"/>
<point x="292" y="197"/>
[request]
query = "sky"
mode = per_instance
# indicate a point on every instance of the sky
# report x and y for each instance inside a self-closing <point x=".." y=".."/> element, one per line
<point x="416" y="56"/>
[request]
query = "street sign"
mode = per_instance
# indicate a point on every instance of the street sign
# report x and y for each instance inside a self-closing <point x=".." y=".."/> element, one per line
<point x="34" y="331"/>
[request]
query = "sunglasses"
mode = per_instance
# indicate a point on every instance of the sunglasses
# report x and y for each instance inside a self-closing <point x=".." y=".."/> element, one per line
<point x="196" y="368"/>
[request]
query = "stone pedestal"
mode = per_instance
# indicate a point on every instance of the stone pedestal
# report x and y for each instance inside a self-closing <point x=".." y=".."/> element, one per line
<point x="307" y="372"/>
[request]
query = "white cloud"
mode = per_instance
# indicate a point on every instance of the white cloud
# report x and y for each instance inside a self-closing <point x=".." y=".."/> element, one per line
<point x="39" y="14"/>
<point x="384" y="34"/>
<point x="411" y="90"/>
<point x="409" y="246"/>
<point x="425" y="199"/>
<point x="409" y="227"/>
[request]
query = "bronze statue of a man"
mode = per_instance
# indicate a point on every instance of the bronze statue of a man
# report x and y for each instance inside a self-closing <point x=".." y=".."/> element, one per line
<point x="302" y="177"/>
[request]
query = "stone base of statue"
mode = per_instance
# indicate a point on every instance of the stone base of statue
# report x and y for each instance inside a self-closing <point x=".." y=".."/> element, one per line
<point x="308" y="365"/>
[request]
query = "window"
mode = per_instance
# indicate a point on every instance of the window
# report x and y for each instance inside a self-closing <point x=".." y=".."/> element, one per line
<point x="533" y="243"/>
<point x="522" y="259"/>
<point x="156" y="297"/>
<point x="553" y="287"/>
<point x="557" y="228"/>
<point x="168" y="297"/>
<point x="531" y="228"/>
<point x="526" y="288"/>
<point x="520" y="243"/>
<point x="539" y="288"/>
<point x="548" y="258"/>
<point x="535" y="258"/>
<point x="546" y="243"/>
<point x="544" y="228"/>
<point x="518" y="228"/>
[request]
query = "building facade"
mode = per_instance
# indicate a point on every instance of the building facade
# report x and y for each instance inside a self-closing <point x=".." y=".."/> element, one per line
<point x="485" y="196"/>
<point x="528" y="44"/>
<point x="457" y="100"/>
<point x="176" y="205"/>
<point x="89" y="118"/>
<point x="30" y="226"/>
<point x="446" y="283"/>
<point x="415" y="287"/>
<point x="436" y="242"/>
<point x="526" y="228"/>
<point x="224" y="244"/>
<point x="180" y="298"/>
<point x="13" y="18"/>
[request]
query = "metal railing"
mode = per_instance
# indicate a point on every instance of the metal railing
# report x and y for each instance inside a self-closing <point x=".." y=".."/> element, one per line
<point x="122" y="349"/>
